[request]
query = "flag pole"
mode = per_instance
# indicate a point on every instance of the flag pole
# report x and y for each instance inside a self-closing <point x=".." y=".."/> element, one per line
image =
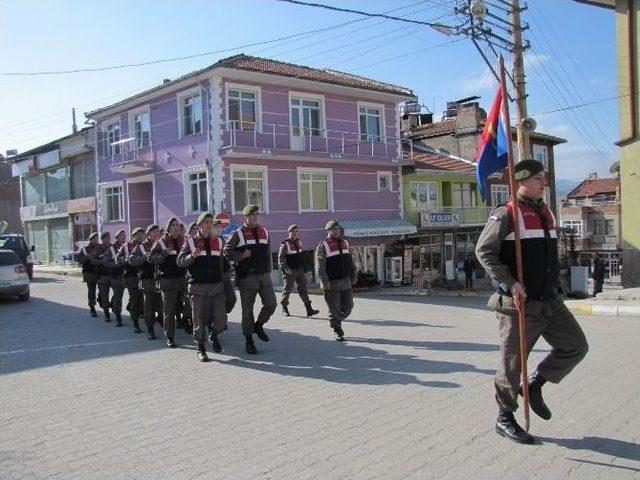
<point x="516" y="233"/>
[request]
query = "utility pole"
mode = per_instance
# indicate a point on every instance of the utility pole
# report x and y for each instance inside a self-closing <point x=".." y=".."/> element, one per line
<point x="519" y="80"/>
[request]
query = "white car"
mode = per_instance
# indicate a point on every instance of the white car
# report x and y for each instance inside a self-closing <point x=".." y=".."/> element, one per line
<point x="13" y="275"/>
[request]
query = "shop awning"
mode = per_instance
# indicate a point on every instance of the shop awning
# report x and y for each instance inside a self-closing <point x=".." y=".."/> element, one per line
<point x="377" y="228"/>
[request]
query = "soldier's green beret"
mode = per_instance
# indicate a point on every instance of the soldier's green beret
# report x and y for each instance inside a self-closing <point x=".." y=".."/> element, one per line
<point x="93" y="234"/>
<point x="203" y="216"/>
<point x="250" y="209"/>
<point x="104" y="235"/>
<point x="332" y="223"/>
<point x="137" y="230"/>
<point x="527" y="169"/>
<point x="152" y="227"/>
<point x="119" y="232"/>
<point x="292" y="227"/>
<point x="191" y="225"/>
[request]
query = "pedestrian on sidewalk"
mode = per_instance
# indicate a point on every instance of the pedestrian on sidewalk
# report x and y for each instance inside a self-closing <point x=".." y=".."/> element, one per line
<point x="291" y="266"/>
<point x="598" y="274"/>
<point x="469" y="271"/>
<point x="546" y="314"/>
<point x="250" y="248"/>
<point x="337" y="274"/>
<point x="88" y="259"/>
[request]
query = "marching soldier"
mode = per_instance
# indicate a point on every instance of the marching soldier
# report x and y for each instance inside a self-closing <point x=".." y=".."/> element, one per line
<point x="130" y="274"/>
<point x="201" y="255"/>
<point x="290" y="262"/>
<point x="116" y="272"/>
<point x="88" y="258"/>
<point x="192" y="229"/>
<point x="147" y="276"/>
<point x="170" y="276"/>
<point x="250" y="249"/>
<point x="546" y="314"/>
<point x="104" y="275"/>
<point x="337" y="274"/>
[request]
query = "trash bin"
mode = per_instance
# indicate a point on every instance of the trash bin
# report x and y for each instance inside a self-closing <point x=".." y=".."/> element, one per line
<point x="579" y="280"/>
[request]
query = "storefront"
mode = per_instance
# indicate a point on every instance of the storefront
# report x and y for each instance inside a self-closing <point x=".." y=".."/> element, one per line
<point x="59" y="227"/>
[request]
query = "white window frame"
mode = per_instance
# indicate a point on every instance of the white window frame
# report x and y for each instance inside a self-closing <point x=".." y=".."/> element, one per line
<point x="103" y="201"/>
<point x="539" y="148"/>
<point x="257" y="91"/>
<point x="237" y="209"/>
<point x="315" y="98"/>
<point x="132" y="124"/>
<point x="187" y="188"/>
<point x="494" y="191"/>
<point x="418" y="209"/>
<point x="329" y="173"/>
<point x="383" y="123"/>
<point x="180" y="97"/>
<point x="389" y="177"/>
<point x="572" y="224"/>
<point x="105" y="130"/>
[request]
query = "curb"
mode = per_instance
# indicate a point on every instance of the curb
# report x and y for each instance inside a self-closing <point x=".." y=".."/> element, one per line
<point x="69" y="272"/>
<point x="606" y="310"/>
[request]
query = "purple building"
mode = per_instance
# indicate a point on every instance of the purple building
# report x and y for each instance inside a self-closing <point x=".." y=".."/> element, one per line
<point x="305" y="144"/>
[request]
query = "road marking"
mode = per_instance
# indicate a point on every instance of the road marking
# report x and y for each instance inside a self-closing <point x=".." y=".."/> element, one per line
<point x="64" y="347"/>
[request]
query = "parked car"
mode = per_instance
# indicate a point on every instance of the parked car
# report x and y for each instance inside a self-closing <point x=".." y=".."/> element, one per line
<point x="13" y="275"/>
<point x="15" y="242"/>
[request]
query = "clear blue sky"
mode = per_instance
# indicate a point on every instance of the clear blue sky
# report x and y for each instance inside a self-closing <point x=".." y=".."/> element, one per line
<point x="572" y="59"/>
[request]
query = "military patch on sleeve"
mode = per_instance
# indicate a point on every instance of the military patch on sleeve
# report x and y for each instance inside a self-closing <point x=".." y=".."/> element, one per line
<point x="498" y="214"/>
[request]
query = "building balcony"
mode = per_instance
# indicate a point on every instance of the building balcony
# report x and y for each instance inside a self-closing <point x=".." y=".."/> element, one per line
<point x="124" y="156"/>
<point x="285" y="141"/>
<point x="442" y="217"/>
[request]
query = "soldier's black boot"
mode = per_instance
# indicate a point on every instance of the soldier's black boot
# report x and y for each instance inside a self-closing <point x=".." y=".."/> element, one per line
<point x="285" y="310"/>
<point x="202" y="353"/>
<point x="93" y="311"/>
<point x="536" y="381"/>
<point x="107" y="316"/>
<point x="249" y="345"/>
<point x="151" y="334"/>
<point x="311" y="311"/>
<point x="136" y="325"/>
<point x="215" y="343"/>
<point x="259" y="328"/>
<point x="507" y="426"/>
<point x="339" y="333"/>
<point x="171" y="343"/>
<point x="118" y="320"/>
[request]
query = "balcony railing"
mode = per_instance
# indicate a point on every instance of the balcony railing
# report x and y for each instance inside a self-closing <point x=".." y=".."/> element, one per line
<point x="124" y="155"/>
<point x="307" y="140"/>
<point x="454" y="216"/>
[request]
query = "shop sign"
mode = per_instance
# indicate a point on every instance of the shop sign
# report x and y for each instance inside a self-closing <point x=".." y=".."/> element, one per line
<point x="437" y="219"/>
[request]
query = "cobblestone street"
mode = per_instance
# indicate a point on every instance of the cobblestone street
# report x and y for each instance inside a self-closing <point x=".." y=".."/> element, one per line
<point x="409" y="395"/>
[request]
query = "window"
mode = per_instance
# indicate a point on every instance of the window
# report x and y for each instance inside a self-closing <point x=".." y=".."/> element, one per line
<point x="603" y="227"/>
<point x="142" y="129"/>
<point x="384" y="181"/>
<point x="424" y="195"/>
<point x="540" y="154"/>
<point x="112" y="200"/>
<point x="248" y="187"/>
<point x="314" y="188"/>
<point x="191" y="114"/>
<point x="83" y="178"/>
<point x="575" y="225"/>
<point x="57" y="184"/>
<point x="306" y="118"/>
<point x="197" y="198"/>
<point x="33" y="189"/>
<point x="242" y="110"/>
<point x="499" y="195"/>
<point x="370" y="123"/>
<point x="113" y="135"/>
<point x="464" y="194"/>
<point x="609" y="227"/>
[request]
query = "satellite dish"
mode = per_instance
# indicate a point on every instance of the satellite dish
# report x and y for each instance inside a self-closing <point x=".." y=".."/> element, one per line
<point x="478" y="9"/>
<point x="529" y="124"/>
